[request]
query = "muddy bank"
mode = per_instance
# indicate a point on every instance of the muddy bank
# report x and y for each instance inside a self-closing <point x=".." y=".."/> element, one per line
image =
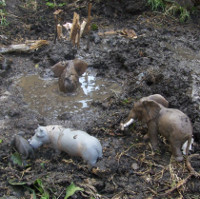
<point x="163" y="59"/>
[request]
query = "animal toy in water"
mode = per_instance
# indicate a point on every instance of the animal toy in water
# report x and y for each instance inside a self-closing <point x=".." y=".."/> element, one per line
<point x="23" y="147"/>
<point x="173" y="124"/>
<point x="68" y="73"/>
<point x="73" y="142"/>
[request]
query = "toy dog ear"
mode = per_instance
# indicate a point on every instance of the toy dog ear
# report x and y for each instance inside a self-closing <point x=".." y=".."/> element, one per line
<point x="59" y="68"/>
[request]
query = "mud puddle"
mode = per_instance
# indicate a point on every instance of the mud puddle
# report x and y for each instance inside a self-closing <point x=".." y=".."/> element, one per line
<point x="43" y="95"/>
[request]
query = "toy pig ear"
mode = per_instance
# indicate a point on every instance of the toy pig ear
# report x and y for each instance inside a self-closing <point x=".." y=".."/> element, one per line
<point x="40" y="133"/>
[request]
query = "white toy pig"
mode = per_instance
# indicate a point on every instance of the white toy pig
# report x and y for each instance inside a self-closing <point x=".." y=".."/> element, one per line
<point x="73" y="142"/>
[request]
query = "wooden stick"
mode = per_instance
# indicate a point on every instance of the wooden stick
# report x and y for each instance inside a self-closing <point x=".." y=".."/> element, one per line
<point x="88" y="25"/>
<point x="75" y="30"/>
<point x="56" y="23"/>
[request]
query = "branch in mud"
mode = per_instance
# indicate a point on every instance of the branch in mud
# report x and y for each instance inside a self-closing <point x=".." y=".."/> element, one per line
<point x="180" y="183"/>
<point x="28" y="46"/>
<point x="129" y="33"/>
<point x="184" y="181"/>
<point x="75" y="31"/>
<point x="88" y="24"/>
<point x="189" y="166"/>
<point x="58" y="29"/>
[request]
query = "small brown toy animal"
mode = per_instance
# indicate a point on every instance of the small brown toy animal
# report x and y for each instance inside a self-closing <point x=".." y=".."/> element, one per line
<point x="68" y="73"/>
<point x="23" y="147"/>
<point x="173" y="124"/>
<point x="155" y="97"/>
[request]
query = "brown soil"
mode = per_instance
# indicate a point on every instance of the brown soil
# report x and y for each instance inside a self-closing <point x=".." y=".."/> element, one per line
<point x="163" y="59"/>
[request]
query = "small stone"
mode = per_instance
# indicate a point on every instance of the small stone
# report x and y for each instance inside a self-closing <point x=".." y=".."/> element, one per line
<point x="135" y="166"/>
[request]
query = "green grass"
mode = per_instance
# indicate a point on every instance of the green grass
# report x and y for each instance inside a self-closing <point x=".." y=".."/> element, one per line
<point x="2" y="3"/>
<point x="3" y="20"/>
<point x="94" y="27"/>
<point x="41" y="188"/>
<point x="180" y="11"/>
<point x="170" y="8"/>
<point x="54" y="4"/>
<point x="156" y="4"/>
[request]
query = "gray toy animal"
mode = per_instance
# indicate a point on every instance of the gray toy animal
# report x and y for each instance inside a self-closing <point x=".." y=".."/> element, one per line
<point x="173" y="124"/>
<point x="23" y="147"/>
<point x="68" y="73"/>
<point x="73" y="142"/>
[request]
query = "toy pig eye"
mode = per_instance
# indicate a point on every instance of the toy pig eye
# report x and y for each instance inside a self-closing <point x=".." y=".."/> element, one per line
<point x="40" y="133"/>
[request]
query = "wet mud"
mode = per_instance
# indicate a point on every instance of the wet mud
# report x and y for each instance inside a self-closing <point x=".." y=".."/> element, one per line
<point x="163" y="59"/>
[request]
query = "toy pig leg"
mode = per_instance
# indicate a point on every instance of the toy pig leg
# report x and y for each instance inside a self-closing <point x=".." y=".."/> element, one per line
<point x="90" y="156"/>
<point x="153" y="134"/>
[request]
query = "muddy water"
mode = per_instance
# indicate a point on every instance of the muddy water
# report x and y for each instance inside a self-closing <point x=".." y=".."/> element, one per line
<point x="43" y="95"/>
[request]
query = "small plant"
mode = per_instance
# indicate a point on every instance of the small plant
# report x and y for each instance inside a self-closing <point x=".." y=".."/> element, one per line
<point x="156" y="4"/>
<point x="71" y="189"/>
<point x="182" y="12"/>
<point x="3" y="20"/>
<point x="40" y="187"/>
<point x="170" y="7"/>
<point x="94" y="27"/>
<point x="2" y="3"/>
<point x="54" y="4"/>
<point x="127" y="101"/>
<point x="184" y="15"/>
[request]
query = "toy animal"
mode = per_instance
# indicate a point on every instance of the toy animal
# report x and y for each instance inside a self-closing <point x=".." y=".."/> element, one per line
<point x="73" y="142"/>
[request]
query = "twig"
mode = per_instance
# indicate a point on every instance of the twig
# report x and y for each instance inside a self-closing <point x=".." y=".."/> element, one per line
<point x="154" y="192"/>
<point x="57" y="21"/>
<point x="124" y="152"/>
<point x="180" y="183"/>
<point x="88" y="26"/>
<point x="189" y="166"/>
<point x="75" y="30"/>
<point x="60" y="194"/>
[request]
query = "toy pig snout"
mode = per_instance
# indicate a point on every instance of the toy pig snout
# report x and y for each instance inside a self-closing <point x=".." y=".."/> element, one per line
<point x="35" y="143"/>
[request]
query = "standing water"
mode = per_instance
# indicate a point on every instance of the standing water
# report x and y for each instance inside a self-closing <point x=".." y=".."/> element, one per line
<point x="43" y="95"/>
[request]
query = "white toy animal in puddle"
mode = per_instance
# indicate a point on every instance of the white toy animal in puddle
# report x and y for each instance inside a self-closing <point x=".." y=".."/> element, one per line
<point x="73" y="142"/>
